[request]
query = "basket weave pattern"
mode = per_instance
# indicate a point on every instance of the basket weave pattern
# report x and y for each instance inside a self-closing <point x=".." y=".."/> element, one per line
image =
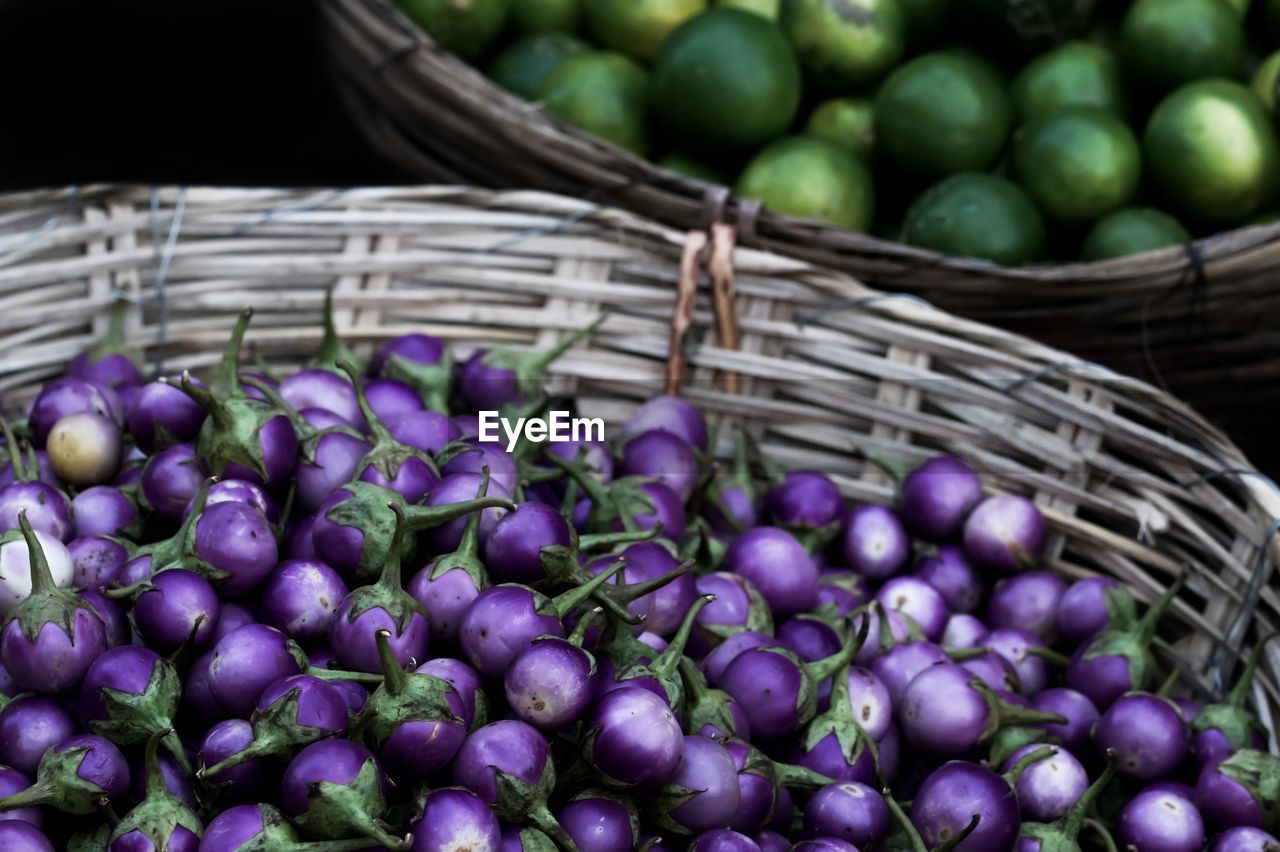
<point x="1135" y="484"/>
<point x="1195" y="319"/>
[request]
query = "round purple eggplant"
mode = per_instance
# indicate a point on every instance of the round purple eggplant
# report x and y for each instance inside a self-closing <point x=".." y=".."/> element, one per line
<point x="703" y="794"/>
<point x="96" y="562"/>
<point x="335" y="789"/>
<point x="874" y="542"/>
<point x="429" y="431"/>
<point x="65" y="396"/>
<point x="776" y="690"/>
<point x="948" y="570"/>
<point x="170" y="479"/>
<point x="326" y="389"/>
<point x="937" y="497"/>
<point x="1244" y="840"/>
<point x="30" y="726"/>
<point x="102" y="510"/>
<point x="404" y="469"/>
<point x="1157" y="821"/>
<point x="74" y="777"/>
<point x="416" y="721"/>
<point x="915" y="599"/>
<point x="53" y="635"/>
<point x="662" y="457"/>
<point x="12" y="781"/>
<point x="246" y="661"/>
<point x="514" y="550"/>
<point x="18" y="836"/>
<point x="161" y="820"/>
<point x="1147" y="734"/>
<point x="392" y="399"/>
<point x="1077" y="709"/>
<point x="249" y="777"/>
<point x="723" y="840"/>
<point x="954" y="796"/>
<point x="669" y="414"/>
<point x="161" y="415"/>
<point x="1220" y="729"/>
<point x="1050" y="787"/>
<point x="174" y="607"/>
<point x="130" y="692"/>
<point x="449" y="584"/>
<point x="899" y="665"/>
<point x="260" y="826"/>
<point x="851" y="812"/>
<point x="233" y="545"/>
<point x="1005" y="532"/>
<point x="300" y="599"/>
<point x="1029" y="601"/>
<point x="600" y="821"/>
<point x="738" y="606"/>
<point x="634" y="738"/>
<point x="778" y="566"/>
<point x="454" y="819"/>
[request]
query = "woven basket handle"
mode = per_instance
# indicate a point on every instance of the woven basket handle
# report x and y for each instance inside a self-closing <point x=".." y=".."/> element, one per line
<point x="712" y="248"/>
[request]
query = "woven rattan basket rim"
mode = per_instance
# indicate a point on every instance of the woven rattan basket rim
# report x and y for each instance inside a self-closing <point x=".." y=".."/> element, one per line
<point x="1134" y="482"/>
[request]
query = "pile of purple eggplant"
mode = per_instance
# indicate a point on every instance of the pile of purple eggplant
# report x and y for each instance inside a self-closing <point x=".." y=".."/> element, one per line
<point x="322" y="613"/>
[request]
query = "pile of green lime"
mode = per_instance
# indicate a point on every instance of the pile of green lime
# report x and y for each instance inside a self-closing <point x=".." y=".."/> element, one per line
<point x="1013" y="131"/>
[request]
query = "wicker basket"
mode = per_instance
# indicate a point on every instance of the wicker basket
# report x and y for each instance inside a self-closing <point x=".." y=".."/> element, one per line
<point x="1197" y="320"/>
<point x="1135" y="484"/>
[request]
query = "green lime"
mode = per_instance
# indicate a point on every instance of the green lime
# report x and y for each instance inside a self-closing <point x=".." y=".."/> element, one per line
<point x="523" y="66"/>
<point x="1265" y="80"/>
<point x="924" y="18"/>
<point x="464" y="27"/>
<point x="691" y="167"/>
<point x="545" y="16"/>
<point x="1166" y="43"/>
<point x="603" y="93"/>
<point x="813" y="179"/>
<point x="848" y="122"/>
<point x="1077" y="164"/>
<point x="638" y="27"/>
<point x="1132" y="230"/>
<point x="974" y="214"/>
<point x="726" y="77"/>
<point x="767" y="9"/>
<point x="1075" y="74"/>
<point x="1211" y="148"/>
<point x="845" y="43"/>
<point x="942" y="113"/>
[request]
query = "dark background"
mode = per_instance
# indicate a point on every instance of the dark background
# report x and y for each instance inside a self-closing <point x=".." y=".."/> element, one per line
<point x="192" y="91"/>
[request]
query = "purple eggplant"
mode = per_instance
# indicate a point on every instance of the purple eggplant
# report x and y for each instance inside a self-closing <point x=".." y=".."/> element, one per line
<point x="46" y="507"/>
<point x="1244" y="840"/>
<point x="404" y="469"/>
<point x="1061" y="834"/>
<point x="239" y="491"/>
<point x="703" y="794"/>
<point x="161" y="415"/>
<point x="669" y="414"/>
<point x="65" y="396"/>
<point x="384" y="605"/>
<point x="472" y="455"/>
<point x="965" y="797"/>
<point x="552" y="682"/>
<point x="260" y="826"/>
<point x="1049" y="788"/>
<point x="335" y="789"/>
<point x="293" y="711"/>
<point x="771" y="841"/>
<point x="1119" y="659"/>
<point x="1005" y="532"/>
<point x="246" y="661"/>
<point x="130" y="692"/>
<point x="492" y="379"/>
<point x="429" y="431"/>
<point x="30" y="726"/>
<point x="1147" y="734"/>
<point x="420" y="361"/>
<point x="600" y="821"/>
<point x="901" y="662"/>
<point x="1029" y="601"/>
<point x="1220" y="729"/>
<point x="96" y="562"/>
<point x="963" y="631"/>
<point x="810" y="637"/>
<point x="648" y="561"/>
<point x="738" y="606"/>
<point x="710" y="712"/>
<point x="110" y="361"/>
<point x="170" y="479"/>
<point x="454" y="819"/>
<point x="17" y="836"/>
<point x="776" y="690"/>
<point x="161" y="821"/>
<point x="249" y="777"/>
<point x="834" y="744"/>
<point x="805" y="500"/>
<point x="663" y="457"/>
<point x="874" y="542"/>
<point x="937" y="497"/>
<point x="948" y="570"/>
<point x="102" y="510"/>
<point x="391" y="400"/>
<point x="918" y="601"/>
<point x="448" y="585"/>
<point x="1223" y="787"/>
<point x="326" y="389"/>
<point x="414" y="720"/>
<point x="300" y="599"/>
<point x="466" y="682"/>
<point x="243" y="437"/>
<point x="12" y="781"/>
<point x="634" y="739"/>
<point x="15" y="567"/>
<point x="661" y="675"/>
<point x="233" y="546"/>
<point x="778" y="566"/>
<point x="355" y="526"/>
<point x="1077" y="709"/>
<point x="504" y="619"/>
<point x="1158" y="821"/>
<point x="176" y="606"/>
<point x="74" y="777"/>
<point x="947" y="711"/>
<point x="723" y="840"/>
<point x="508" y="765"/>
<point x="52" y="636"/>
<point x="514" y="551"/>
<point x="759" y="780"/>
<point x="851" y="812"/>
